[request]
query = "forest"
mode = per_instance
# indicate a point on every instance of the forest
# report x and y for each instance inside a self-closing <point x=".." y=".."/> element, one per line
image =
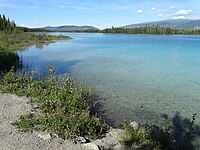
<point x="152" y="30"/>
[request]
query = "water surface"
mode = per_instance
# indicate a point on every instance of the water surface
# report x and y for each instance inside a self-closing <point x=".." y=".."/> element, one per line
<point x="140" y="76"/>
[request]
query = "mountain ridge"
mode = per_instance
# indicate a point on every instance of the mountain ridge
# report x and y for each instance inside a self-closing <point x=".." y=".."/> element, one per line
<point x="172" y="23"/>
<point x="70" y="28"/>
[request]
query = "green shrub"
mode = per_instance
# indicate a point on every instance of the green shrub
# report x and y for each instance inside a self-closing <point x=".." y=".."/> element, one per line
<point x="172" y="135"/>
<point x="62" y="104"/>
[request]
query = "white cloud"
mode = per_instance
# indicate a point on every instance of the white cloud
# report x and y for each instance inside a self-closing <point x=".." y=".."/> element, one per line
<point x="160" y="15"/>
<point x="179" y="17"/>
<point x="183" y="12"/>
<point x="153" y="9"/>
<point x="172" y="8"/>
<point x="140" y="11"/>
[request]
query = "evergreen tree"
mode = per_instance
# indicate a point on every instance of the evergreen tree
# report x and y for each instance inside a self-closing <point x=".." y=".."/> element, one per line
<point x="6" y="24"/>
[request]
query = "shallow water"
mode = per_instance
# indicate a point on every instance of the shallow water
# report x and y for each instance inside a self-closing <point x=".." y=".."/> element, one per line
<point x="140" y="76"/>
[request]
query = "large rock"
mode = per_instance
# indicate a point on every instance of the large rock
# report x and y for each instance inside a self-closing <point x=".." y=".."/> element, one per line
<point x="111" y="140"/>
<point x="91" y="146"/>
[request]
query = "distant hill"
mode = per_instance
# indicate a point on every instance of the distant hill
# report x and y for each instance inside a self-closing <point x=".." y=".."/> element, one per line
<point x="71" y="28"/>
<point x="172" y="23"/>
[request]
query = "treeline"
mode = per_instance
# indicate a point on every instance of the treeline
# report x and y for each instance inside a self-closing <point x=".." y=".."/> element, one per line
<point x="79" y="31"/>
<point x="25" y="29"/>
<point x="9" y="26"/>
<point x="151" y="30"/>
<point x="6" y="24"/>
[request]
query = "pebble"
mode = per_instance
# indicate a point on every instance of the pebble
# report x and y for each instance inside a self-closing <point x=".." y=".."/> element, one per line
<point x="44" y="135"/>
<point x="81" y="139"/>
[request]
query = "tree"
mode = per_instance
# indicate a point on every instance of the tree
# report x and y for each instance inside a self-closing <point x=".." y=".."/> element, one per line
<point x="6" y="24"/>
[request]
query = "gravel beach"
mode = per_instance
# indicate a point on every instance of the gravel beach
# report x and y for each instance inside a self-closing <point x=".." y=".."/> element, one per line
<point x="11" y="107"/>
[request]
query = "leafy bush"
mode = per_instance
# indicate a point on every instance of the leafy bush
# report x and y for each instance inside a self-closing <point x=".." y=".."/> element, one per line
<point x="172" y="135"/>
<point x="62" y="104"/>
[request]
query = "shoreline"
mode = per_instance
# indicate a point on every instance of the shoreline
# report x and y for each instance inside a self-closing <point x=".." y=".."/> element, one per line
<point x="13" y="106"/>
<point x="122" y="33"/>
<point x="9" y="42"/>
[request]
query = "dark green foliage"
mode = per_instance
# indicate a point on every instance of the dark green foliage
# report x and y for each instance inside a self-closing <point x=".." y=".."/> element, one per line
<point x="6" y="24"/>
<point x="152" y="30"/>
<point x="62" y="104"/>
<point x="78" y="31"/>
<point x="25" y="29"/>
<point x="177" y="134"/>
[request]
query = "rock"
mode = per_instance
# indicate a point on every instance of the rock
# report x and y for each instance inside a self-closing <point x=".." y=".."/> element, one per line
<point x="114" y="96"/>
<point x="81" y="139"/>
<point x="34" y="106"/>
<point x="91" y="146"/>
<point x="111" y="140"/>
<point x="55" y="135"/>
<point x="135" y="125"/>
<point x="44" y="135"/>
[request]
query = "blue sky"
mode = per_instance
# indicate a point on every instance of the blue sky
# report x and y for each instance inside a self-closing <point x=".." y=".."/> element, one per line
<point x="99" y="13"/>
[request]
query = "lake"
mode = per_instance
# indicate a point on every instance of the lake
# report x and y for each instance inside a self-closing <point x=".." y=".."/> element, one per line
<point x="138" y="76"/>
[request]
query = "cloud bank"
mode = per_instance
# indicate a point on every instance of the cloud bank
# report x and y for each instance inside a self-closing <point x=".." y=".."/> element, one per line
<point x="183" y="12"/>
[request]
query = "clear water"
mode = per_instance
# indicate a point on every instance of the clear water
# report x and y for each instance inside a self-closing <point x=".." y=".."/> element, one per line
<point x="140" y="76"/>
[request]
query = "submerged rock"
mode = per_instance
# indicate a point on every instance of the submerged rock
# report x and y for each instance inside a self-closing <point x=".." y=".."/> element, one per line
<point x="115" y="96"/>
<point x="135" y="125"/>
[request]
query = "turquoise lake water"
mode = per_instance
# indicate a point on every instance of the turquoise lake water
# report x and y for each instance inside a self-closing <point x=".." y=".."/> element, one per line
<point x="139" y="76"/>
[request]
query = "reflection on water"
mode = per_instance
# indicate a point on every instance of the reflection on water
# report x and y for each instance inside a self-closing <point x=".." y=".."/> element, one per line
<point x="41" y="45"/>
<point x="139" y="76"/>
<point x="8" y="60"/>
